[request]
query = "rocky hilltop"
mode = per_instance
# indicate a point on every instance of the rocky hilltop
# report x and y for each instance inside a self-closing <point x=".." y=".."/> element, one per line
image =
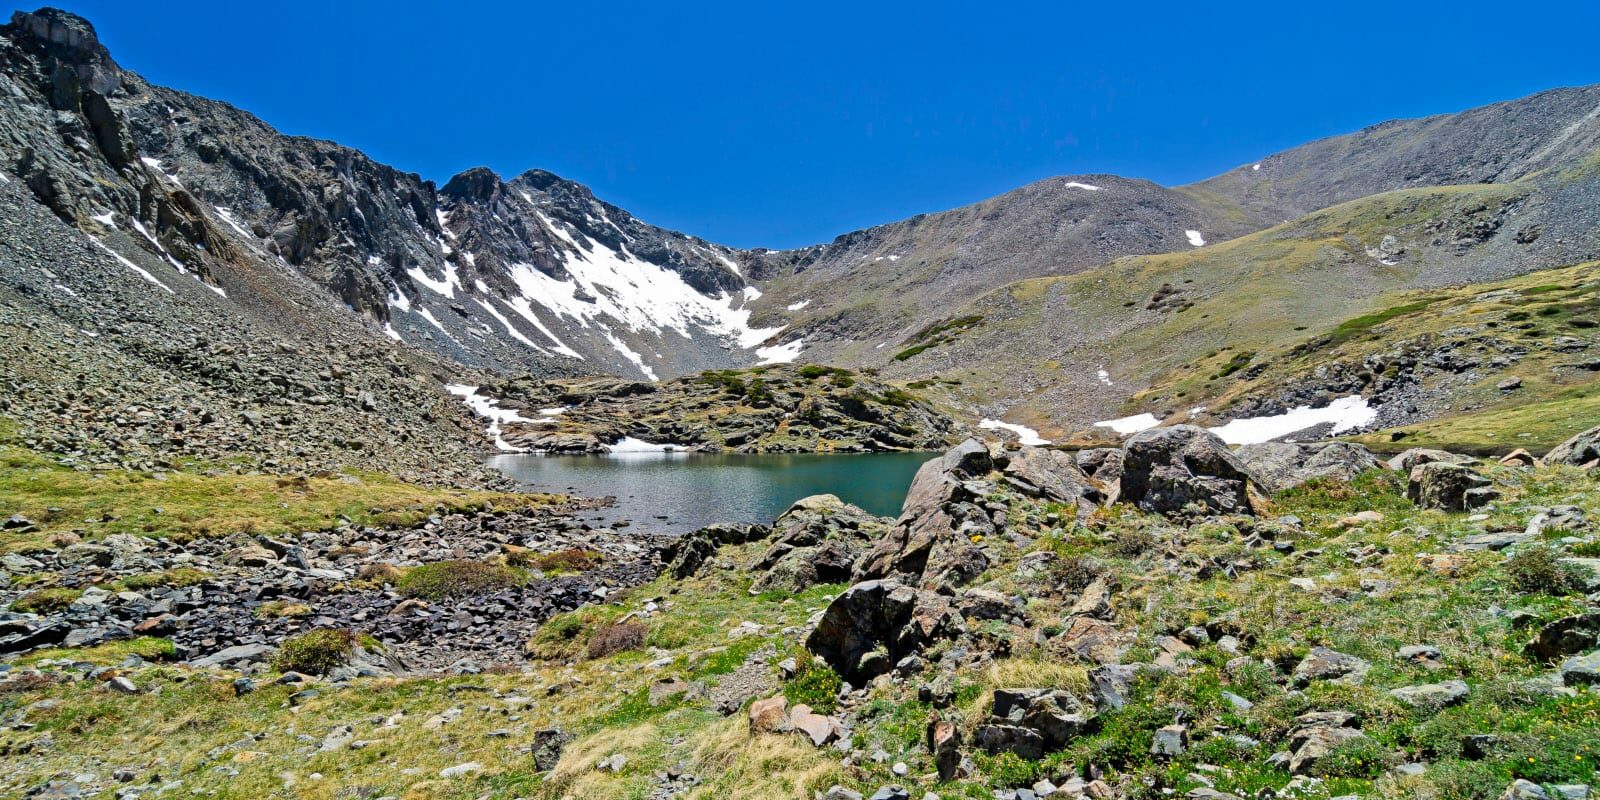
<point x="808" y="409"/>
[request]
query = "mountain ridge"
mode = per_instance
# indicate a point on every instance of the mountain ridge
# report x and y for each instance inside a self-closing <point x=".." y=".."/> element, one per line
<point x="535" y="274"/>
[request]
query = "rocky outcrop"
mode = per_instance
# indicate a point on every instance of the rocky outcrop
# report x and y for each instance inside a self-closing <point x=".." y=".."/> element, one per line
<point x="1445" y="486"/>
<point x="221" y="609"/>
<point x="816" y="541"/>
<point x="870" y="627"/>
<point x="933" y="541"/>
<point x="689" y="554"/>
<point x="1582" y="450"/>
<point x="1414" y="457"/>
<point x="1284" y="465"/>
<point x="772" y="410"/>
<point x="1032" y="722"/>
<point x="1567" y="636"/>
<point x="1052" y="476"/>
<point x="1316" y="736"/>
<point x="1184" y="469"/>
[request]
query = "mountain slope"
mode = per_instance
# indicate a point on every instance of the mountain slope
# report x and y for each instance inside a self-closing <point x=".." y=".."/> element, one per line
<point x="884" y="284"/>
<point x="1060" y="353"/>
<point x="535" y="275"/>
<point x="531" y="275"/>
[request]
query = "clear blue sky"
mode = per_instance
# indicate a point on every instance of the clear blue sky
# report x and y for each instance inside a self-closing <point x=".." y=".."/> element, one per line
<point x="783" y="124"/>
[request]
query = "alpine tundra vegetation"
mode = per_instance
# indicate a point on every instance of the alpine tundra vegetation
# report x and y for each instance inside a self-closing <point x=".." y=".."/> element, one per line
<point x="1280" y="484"/>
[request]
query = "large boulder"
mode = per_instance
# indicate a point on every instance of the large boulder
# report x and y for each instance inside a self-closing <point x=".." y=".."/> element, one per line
<point x="1184" y="468"/>
<point x="1104" y="465"/>
<point x="1053" y="476"/>
<point x="816" y="541"/>
<point x="1323" y="664"/>
<point x="1580" y="451"/>
<point x="1445" y="486"/>
<point x="867" y="629"/>
<point x="1566" y="636"/>
<point x="1414" y="457"/>
<point x="932" y="542"/>
<point x="1284" y="465"/>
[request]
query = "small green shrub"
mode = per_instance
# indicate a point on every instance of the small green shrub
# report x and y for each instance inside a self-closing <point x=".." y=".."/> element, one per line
<point x="559" y="638"/>
<point x="315" y="652"/>
<point x="1238" y="362"/>
<point x="911" y="351"/>
<point x="1131" y="542"/>
<point x="1538" y="570"/>
<point x="444" y="579"/>
<point x="1009" y="770"/>
<point x="1359" y="758"/>
<point x="178" y="576"/>
<point x="46" y="601"/>
<point x="814" y="684"/>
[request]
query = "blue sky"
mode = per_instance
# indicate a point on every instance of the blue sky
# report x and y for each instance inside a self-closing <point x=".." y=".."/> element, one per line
<point x="784" y="124"/>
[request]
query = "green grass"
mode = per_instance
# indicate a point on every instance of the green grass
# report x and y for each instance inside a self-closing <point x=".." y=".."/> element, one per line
<point x="444" y="579"/>
<point x="1536" y="426"/>
<point x="1351" y="328"/>
<point x="198" y="501"/>
<point x="192" y="724"/>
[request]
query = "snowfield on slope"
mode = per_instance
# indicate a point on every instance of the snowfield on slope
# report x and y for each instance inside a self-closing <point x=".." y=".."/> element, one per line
<point x="605" y="285"/>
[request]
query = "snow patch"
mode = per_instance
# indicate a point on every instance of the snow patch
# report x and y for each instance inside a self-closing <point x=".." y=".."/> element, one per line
<point x="486" y="407"/>
<point x="510" y="330"/>
<point x="428" y="315"/>
<point x="155" y="164"/>
<point x="1133" y="424"/>
<point x="446" y="287"/>
<point x="444" y="222"/>
<point x="1195" y="238"/>
<point x="389" y="331"/>
<point x="142" y="272"/>
<point x="798" y="306"/>
<point x="227" y="216"/>
<point x="1255" y="167"/>
<point x="1345" y="414"/>
<point x="628" y="353"/>
<point x="138" y="226"/>
<point x="604" y="283"/>
<point x="1105" y="377"/>
<point x="628" y="444"/>
<point x="108" y="219"/>
<point x="1084" y="186"/>
<point x="752" y="293"/>
<point x="1025" y="435"/>
<point x="780" y="353"/>
<point x="398" y="299"/>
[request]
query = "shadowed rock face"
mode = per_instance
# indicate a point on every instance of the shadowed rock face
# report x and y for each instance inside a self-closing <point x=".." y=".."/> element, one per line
<point x="874" y="624"/>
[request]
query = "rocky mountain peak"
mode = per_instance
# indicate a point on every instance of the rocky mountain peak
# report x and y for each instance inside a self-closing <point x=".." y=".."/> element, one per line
<point x="63" y="28"/>
<point x="478" y="184"/>
<point x="540" y="179"/>
<point x="70" y="41"/>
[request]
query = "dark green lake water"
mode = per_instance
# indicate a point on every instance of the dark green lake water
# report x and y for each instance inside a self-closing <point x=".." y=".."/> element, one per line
<point x="692" y="490"/>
